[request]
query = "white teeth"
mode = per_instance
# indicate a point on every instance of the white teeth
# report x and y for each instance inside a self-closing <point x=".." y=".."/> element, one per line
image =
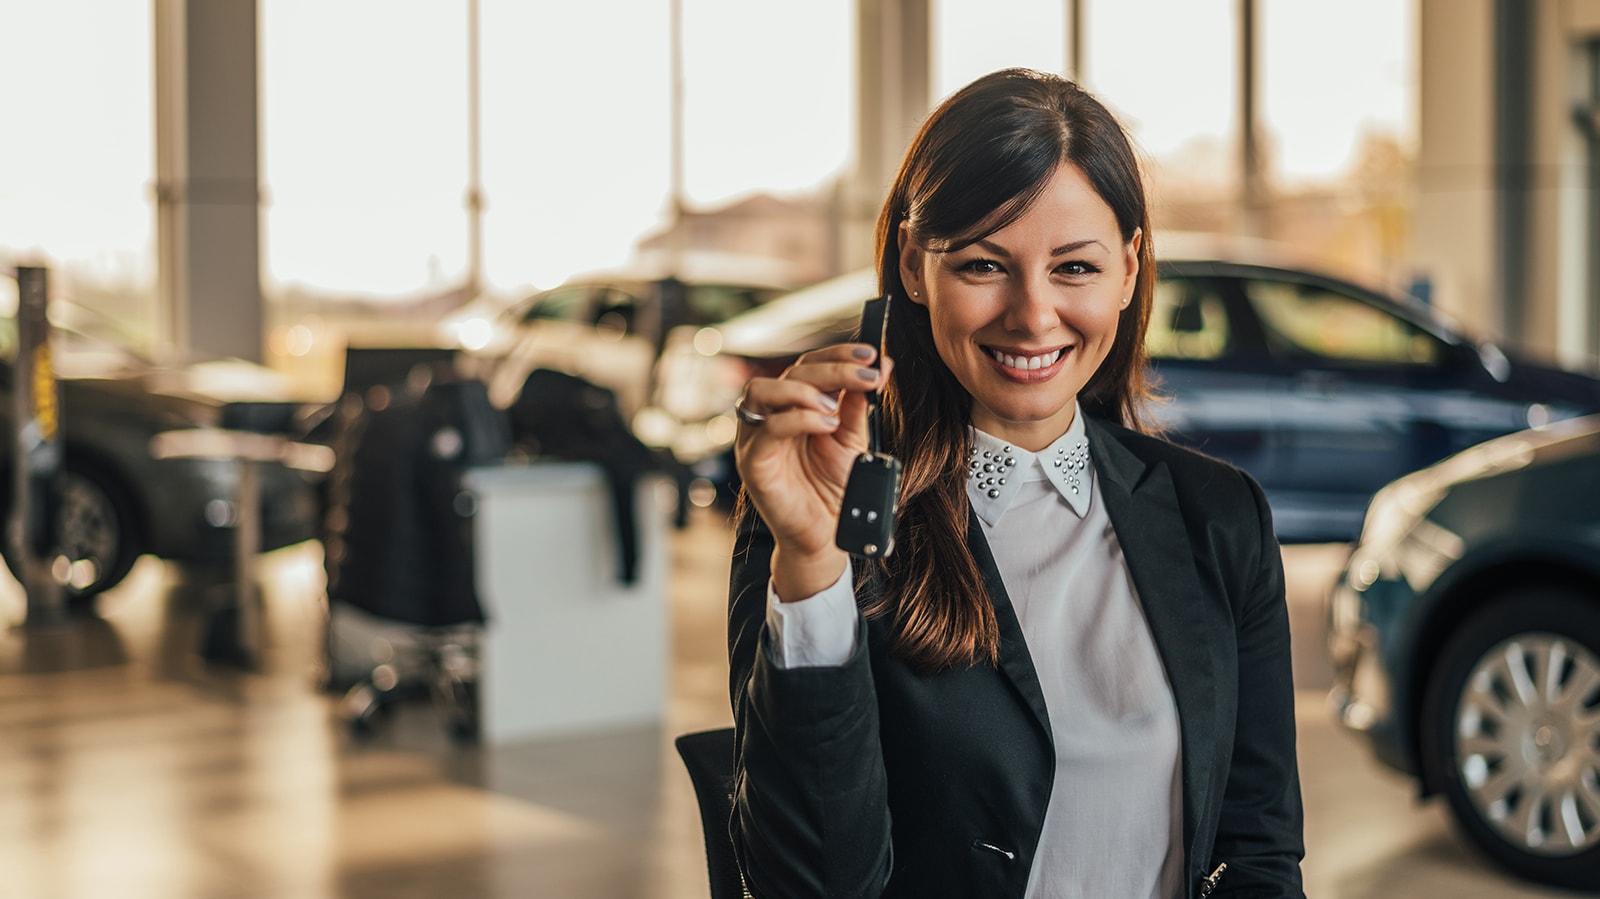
<point x="1028" y="363"/>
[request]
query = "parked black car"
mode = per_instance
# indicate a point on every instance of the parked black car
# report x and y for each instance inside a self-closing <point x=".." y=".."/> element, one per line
<point x="1465" y="632"/>
<point x="1322" y="389"/>
<point x="119" y="501"/>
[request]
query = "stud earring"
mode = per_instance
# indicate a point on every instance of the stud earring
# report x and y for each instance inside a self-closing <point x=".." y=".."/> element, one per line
<point x="916" y="293"/>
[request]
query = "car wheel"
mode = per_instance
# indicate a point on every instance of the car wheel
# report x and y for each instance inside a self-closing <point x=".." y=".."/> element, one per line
<point x="1511" y="734"/>
<point x="94" y="527"/>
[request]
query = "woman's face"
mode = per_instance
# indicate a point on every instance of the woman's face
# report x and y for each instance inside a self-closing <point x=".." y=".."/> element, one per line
<point x="1047" y="288"/>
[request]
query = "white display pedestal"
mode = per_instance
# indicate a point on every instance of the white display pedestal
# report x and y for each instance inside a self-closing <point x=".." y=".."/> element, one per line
<point x="568" y="648"/>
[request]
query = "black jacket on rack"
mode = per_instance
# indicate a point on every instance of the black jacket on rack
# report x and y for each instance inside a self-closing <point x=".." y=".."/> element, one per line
<point x="402" y="544"/>
<point x="872" y="779"/>
<point x="562" y="416"/>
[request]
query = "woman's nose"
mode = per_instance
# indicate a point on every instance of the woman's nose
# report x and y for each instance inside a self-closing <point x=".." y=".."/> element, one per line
<point x="1031" y="308"/>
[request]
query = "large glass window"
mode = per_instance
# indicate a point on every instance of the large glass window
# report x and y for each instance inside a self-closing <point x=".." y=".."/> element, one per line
<point x="1306" y="321"/>
<point x="975" y="37"/>
<point x="1316" y="57"/>
<point x="769" y="95"/>
<point x="364" y="144"/>
<point x="78" y="155"/>
<point x="1167" y="69"/>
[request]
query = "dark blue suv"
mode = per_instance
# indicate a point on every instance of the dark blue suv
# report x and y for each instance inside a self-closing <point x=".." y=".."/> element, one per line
<point x="1326" y="391"/>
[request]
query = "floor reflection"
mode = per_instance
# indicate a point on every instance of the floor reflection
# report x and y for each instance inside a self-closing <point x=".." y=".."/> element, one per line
<point x="132" y="768"/>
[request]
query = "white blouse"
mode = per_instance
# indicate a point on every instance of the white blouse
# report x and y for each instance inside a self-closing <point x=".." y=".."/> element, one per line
<point x="1114" y="822"/>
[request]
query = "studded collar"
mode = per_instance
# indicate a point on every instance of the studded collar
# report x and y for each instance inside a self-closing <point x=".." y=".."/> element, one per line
<point x="996" y="470"/>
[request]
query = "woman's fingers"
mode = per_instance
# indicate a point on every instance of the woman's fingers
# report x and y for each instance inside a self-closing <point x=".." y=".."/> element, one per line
<point x="806" y="400"/>
<point x="834" y="376"/>
<point x="859" y="353"/>
<point x="793" y="423"/>
<point x="769" y="395"/>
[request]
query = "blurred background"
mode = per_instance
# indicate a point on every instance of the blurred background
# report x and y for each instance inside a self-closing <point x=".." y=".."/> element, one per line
<point x="368" y="504"/>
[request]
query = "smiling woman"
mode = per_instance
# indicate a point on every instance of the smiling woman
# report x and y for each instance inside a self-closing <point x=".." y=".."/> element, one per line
<point x="1036" y="299"/>
<point x="1073" y="678"/>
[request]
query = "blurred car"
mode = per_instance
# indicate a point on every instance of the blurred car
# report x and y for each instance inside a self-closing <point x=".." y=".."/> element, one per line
<point x="608" y="327"/>
<point x="1321" y="388"/>
<point x="118" y="501"/>
<point x="1465" y="632"/>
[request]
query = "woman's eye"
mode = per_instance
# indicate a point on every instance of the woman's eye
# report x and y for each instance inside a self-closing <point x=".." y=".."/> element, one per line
<point x="1076" y="268"/>
<point x="981" y="266"/>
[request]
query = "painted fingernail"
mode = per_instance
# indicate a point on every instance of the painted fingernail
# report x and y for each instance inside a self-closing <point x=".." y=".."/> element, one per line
<point x="828" y="402"/>
<point x="862" y="352"/>
<point x="867" y="374"/>
<point x="831" y="421"/>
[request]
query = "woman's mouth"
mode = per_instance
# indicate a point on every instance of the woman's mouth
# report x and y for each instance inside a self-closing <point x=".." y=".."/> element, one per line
<point x="1028" y="368"/>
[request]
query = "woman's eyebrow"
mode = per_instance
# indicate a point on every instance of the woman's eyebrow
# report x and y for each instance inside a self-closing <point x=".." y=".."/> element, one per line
<point x="1064" y="248"/>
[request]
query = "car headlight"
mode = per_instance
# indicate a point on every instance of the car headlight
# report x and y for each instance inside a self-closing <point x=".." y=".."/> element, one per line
<point x="1393" y="512"/>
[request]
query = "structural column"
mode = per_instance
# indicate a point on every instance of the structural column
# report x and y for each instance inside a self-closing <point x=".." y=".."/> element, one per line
<point x="893" y="87"/>
<point x="207" y="176"/>
<point x="1456" y="245"/>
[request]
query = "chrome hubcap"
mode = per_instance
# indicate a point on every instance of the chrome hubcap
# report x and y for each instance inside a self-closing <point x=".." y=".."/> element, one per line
<point x="86" y="523"/>
<point x="1528" y="743"/>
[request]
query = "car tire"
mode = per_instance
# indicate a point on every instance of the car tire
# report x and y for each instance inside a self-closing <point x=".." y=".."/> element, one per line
<point x="101" y="515"/>
<point x="1510" y="733"/>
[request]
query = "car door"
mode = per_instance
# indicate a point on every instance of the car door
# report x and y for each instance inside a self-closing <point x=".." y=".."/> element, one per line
<point x="1209" y="366"/>
<point x="1369" y="396"/>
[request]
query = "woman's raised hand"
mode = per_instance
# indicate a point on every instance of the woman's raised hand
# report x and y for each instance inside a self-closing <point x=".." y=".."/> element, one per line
<point x="795" y="463"/>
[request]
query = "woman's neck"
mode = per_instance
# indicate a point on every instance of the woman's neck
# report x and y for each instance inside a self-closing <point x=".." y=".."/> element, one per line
<point x="1032" y="436"/>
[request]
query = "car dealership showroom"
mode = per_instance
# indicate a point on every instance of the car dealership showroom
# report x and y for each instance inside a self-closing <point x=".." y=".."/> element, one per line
<point x="667" y="449"/>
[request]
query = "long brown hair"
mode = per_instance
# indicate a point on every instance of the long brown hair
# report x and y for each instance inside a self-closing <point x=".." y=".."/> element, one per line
<point x="975" y="166"/>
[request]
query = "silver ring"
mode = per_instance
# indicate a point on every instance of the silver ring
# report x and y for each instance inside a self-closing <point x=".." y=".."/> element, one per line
<point x="747" y="416"/>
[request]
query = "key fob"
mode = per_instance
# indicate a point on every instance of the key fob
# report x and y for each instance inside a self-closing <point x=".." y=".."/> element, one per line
<point x="866" y="521"/>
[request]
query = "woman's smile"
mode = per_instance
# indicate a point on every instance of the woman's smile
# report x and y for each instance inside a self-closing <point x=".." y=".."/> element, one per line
<point x="1023" y="367"/>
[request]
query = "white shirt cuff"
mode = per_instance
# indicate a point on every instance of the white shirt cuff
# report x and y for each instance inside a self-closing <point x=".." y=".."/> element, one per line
<point x="817" y="631"/>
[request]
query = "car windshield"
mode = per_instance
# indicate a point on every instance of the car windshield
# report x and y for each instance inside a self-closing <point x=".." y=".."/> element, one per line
<point x="713" y="303"/>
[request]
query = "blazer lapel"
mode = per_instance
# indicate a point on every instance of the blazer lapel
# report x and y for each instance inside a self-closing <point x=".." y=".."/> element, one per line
<point x="1143" y="508"/>
<point x="1015" y="662"/>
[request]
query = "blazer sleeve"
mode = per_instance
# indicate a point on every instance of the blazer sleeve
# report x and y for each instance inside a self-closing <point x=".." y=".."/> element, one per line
<point x="811" y="813"/>
<point x="1260" y="831"/>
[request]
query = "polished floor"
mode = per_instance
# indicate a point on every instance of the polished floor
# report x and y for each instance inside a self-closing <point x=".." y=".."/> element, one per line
<point x="130" y="769"/>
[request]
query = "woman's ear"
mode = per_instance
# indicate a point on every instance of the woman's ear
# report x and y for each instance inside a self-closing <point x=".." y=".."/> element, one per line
<point x="1131" y="261"/>
<point x="911" y="257"/>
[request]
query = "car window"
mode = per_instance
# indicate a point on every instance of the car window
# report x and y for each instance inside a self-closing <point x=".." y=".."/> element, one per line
<point x="615" y="310"/>
<point x="1310" y="321"/>
<point x="710" y="304"/>
<point x="1188" y="320"/>
<point x="561" y="304"/>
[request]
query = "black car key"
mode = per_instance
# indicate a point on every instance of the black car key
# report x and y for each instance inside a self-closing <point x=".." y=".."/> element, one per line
<point x="866" y="520"/>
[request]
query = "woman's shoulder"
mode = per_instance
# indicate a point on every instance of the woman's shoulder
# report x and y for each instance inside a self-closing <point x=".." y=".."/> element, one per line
<point x="1197" y="477"/>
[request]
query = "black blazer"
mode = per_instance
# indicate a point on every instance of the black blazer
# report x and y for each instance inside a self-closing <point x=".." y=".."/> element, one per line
<point x="870" y="779"/>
